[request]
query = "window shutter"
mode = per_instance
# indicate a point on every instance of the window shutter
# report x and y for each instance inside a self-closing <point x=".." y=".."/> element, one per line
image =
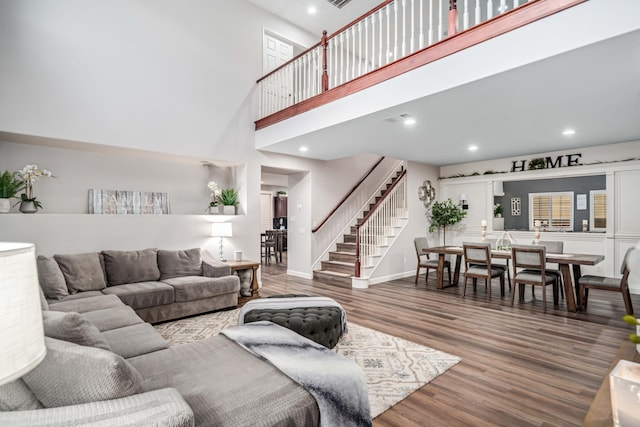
<point x="600" y="210"/>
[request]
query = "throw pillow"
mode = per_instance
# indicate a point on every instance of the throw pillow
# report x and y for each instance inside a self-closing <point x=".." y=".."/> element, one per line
<point x="72" y="374"/>
<point x="51" y="278"/>
<point x="179" y="263"/>
<point x="43" y="301"/>
<point x="131" y="266"/>
<point x="82" y="272"/>
<point x="16" y="396"/>
<point x="73" y="327"/>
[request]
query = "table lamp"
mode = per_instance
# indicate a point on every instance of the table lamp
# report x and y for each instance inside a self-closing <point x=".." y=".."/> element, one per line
<point x="221" y="229"/>
<point x="22" y="333"/>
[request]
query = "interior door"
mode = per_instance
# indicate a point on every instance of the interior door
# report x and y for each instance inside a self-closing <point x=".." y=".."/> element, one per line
<point x="275" y="53"/>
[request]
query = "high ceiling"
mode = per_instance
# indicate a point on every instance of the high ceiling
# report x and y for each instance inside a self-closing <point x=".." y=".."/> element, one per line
<point x="594" y="90"/>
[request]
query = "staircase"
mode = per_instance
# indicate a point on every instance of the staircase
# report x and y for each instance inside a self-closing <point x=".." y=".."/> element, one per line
<point x="340" y="268"/>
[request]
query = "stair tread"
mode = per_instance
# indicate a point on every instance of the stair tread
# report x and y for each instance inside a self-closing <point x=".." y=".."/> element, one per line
<point x="333" y="273"/>
<point x="341" y="252"/>
<point x="340" y="263"/>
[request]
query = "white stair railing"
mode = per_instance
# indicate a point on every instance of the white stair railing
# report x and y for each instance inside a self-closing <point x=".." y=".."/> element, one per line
<point x="372" y="232"/>
<point x="393" y="30"/>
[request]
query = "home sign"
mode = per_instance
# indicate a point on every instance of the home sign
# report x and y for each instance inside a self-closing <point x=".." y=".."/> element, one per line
<point x="547" y="162"/>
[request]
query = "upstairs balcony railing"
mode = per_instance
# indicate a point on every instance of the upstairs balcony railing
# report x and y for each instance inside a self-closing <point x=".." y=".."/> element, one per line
<point x="393" y="31"/>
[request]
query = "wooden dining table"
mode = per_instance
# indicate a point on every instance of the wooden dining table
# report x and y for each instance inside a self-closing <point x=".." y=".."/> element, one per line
<point x="568" y="262"/>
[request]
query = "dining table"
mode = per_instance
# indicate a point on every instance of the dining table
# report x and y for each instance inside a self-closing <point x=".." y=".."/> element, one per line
<point x="568" y="263"/>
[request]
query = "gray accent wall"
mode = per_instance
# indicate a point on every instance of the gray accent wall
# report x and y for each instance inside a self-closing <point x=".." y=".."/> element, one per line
<point x="579" y="185"/>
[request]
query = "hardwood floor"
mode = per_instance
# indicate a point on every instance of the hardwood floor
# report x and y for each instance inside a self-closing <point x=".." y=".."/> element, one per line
<point x="520" y="366"/>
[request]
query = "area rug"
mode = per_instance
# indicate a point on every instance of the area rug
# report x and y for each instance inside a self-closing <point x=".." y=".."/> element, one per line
<point x="394" y="367"/>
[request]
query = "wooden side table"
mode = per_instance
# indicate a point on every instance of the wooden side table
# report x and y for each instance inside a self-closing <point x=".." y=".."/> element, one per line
<point x="599" y="414"/>
<point x="248" y="285"/>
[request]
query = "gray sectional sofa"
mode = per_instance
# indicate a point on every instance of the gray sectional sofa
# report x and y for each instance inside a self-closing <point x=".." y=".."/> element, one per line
<point x="105" y="366"/>
<point x="158" y="284"/>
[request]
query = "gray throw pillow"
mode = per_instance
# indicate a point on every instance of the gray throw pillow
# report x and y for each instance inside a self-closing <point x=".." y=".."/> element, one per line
<point x="16" y="396"/>
<point x="72" y="374"/>
<point x="43" y="301"/>
<point x="179" y="263"/>
<point x="51" y="278"/>
<point x="131" y="266"/>
<point x="82" y="272"/>
<point x="73" y="327"/>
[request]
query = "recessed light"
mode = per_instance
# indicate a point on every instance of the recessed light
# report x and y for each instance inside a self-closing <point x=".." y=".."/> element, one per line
<point x="312" y="10"/>
<point x="473" y="148"/>
<point x="303" y="149"/>
<point x="409" y="121"/>
<point x="568" y="132"/>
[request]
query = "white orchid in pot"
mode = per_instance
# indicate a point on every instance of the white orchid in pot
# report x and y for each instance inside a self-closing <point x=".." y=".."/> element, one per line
<point x="30" y="174"/>
<point x="214" y="190"/>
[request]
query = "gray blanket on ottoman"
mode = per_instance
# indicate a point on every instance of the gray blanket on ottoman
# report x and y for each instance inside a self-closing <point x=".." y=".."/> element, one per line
<point x="337" y="383"/>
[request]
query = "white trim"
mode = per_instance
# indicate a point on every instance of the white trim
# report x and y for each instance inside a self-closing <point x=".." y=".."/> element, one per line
<point x="300" y="274"/>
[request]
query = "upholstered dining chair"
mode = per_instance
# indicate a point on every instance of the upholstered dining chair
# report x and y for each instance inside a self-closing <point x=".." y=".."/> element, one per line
<point x="554" y="247"/>
<point x="421" y="243"/>
<point x="607" y="284"/>
<point x="531" y="260"/>
<point x="477" y="265"/>
<point x="503" y="266"/>
<point x="268" y="246"/>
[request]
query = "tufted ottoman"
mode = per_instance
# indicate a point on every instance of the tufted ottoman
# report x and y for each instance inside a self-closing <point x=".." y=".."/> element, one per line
<point x="324" y="323"/>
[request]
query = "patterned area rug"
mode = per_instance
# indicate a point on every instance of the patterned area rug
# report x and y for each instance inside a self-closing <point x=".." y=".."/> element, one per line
<point x="394" y="367"/>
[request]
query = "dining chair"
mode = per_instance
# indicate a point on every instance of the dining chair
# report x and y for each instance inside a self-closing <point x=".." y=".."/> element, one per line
<point x="553" y="247"/>
<point x="421" y="243"/>
<point x="505" y="266"/>
<point x="531" y="259"/>
<point x="607" y="284"/>
<point x="268" y="247"/>
<point x="477" y="265"/>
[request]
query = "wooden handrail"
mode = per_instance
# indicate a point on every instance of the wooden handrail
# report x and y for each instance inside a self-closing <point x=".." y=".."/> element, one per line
<point x="368" y="215"/>
<point x="344" y="199"/>
<point x="523" y="15"/>
<point x="355" y="21"/>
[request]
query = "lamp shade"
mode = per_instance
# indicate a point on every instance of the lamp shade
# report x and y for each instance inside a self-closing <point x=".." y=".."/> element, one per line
<point x="221" y="229"/>
<point x="21" y="334"/>
<point x="463" y="197"/>
<point x="498" y="188"/>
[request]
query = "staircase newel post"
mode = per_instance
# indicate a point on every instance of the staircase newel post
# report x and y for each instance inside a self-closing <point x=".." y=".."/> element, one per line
<point x="325" y="75"/>
<point x="358" y="250"/>
<point x="453" y="18"/>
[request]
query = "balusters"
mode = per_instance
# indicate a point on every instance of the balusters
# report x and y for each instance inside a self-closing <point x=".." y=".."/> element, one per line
<point x="489" y="9"/>
<point x="465" y="15"/>
<point x="421" y="36"/>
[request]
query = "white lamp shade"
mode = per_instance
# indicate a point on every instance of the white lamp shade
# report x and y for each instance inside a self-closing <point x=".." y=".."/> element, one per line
<point x="21" y="334"/>
<point x="463" y="197"/>
<point x="221" y="229"/>
<point x="498" y="188"/>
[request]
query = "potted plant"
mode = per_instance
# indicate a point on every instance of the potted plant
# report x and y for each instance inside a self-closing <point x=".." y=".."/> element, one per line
<point x="10" y="186"/>
<point x="537" y="163"/>
<point x="214" y="190"/>
<point x="443" y="214"/>
<point x="30" y="174"/>
<point x="229" y="199"/>
<point x="498" y="220"/>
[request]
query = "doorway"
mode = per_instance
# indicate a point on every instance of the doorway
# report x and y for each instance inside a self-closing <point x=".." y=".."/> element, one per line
<point x="274" y="186"/>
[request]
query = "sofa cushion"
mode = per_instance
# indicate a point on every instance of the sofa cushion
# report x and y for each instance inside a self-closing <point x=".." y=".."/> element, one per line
<point x="79" y="295"/>
<point x="16" y="396"/>
<point x="179" y="263"/>
<point x="43" y="301"/>
<point x="124" y="267"/>
<point x="113" y="318"/>
<point x="142" y="294"/>
<point x="73" y="327"/>
<point x="51" y="278"/>
<point x="82" y="272"/>
<point x="85" y="305"/>
<point x="196" y="287"/>
<point x="71" y="374"/>
<point x="135" y="340"/>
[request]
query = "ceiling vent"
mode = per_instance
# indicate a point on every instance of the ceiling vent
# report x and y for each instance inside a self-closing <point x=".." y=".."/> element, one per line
<point x="339" y="3"/>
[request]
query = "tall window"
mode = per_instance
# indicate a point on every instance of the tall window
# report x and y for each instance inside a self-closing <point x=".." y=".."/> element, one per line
<point x="598" y="210"/>
<point x="553" y="210"/>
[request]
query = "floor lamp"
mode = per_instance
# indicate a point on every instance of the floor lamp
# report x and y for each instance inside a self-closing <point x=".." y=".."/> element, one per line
<point x="221" y="229"/>
<point x="22" y="334"/>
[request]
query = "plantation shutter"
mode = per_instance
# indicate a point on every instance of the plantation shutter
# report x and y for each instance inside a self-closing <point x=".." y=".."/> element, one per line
<point x="553" y="210"/>
<point x="266" y="211"/>
<point x="600" y="210"/>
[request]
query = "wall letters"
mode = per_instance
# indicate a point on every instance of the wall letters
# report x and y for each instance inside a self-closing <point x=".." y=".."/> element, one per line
<point x="550" y="163"/>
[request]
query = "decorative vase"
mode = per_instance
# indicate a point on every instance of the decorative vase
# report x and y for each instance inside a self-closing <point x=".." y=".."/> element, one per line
<point x="498" y="224"/>
<point x="229" y="209"/>
<point x="5" y="206"/>
<point x="28" y="206"/>
<point x="214" y="210"/>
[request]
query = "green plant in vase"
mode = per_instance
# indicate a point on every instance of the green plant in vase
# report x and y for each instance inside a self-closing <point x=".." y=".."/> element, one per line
<point x="497" y="210"/>
<point x="443" y="214"/>
<point x="229" y="199"/>
<point x="10" y="186"/>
